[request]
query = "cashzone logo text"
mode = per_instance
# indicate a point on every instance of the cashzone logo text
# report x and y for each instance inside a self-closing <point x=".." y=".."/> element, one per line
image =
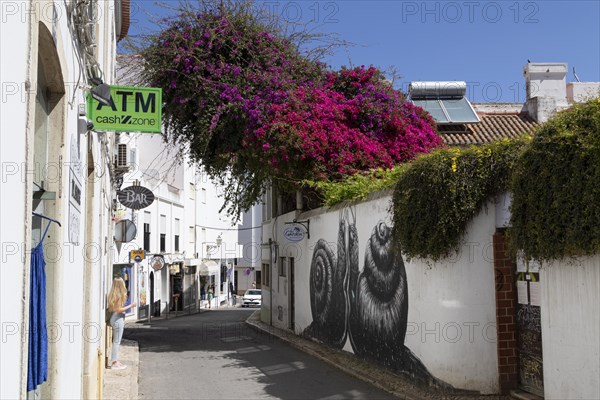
<point x="131" y="109"/>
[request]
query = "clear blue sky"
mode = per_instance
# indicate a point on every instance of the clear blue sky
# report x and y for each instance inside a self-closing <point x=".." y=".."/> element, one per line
<point x="485" y="43"/>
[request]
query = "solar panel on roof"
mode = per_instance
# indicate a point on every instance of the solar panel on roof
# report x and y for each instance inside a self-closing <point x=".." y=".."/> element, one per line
<point x="433" y="107"/>
<point x="445" y="101"/>
<point x="460" y="111"/>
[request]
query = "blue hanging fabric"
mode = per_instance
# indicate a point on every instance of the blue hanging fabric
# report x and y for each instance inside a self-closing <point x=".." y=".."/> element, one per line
<point x="37" y="364"/>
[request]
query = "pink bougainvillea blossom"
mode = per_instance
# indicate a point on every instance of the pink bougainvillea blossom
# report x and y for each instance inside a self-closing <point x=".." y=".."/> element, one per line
<point x="246" y="102"/>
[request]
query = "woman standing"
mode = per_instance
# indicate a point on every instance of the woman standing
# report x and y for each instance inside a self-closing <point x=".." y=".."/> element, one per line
<point x="211" y="291"/>
<point x="116" y="304"/>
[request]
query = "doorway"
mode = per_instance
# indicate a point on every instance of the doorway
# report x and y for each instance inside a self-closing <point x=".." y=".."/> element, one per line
<point x="529" y="329"/>
<point x="176" y="292"/>
<point x="124" y="271"/>
<point x="152" y="305"/>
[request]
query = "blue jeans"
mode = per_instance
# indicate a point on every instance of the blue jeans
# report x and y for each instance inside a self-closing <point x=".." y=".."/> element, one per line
<point x="117" y="322"/>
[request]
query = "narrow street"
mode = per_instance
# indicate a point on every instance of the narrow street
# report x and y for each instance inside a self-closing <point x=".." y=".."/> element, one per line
<point x="215" y="355"/>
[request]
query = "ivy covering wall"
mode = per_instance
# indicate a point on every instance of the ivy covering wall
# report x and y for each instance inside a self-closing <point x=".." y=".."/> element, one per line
<point x="554" y="178"/>
<point x="556" y="186"/>
<point x="437" y="195"/>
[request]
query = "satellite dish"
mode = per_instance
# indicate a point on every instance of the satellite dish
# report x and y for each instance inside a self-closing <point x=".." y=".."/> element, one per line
<point x="125" y="231"/>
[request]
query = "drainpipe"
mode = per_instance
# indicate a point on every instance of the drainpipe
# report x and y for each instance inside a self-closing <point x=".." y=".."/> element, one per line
<point x="90" y="350"/>
<point x="299" y="205"/>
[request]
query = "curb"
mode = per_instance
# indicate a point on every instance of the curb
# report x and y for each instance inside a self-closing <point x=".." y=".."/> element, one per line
<point x="346" y="362"/>
<point x="380" y="377"/>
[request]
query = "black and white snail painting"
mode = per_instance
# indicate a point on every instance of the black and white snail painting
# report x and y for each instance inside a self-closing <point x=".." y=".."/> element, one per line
<point x="368" y="306"/>
<point x="378" y="317"/>
<point x="329" y="292"/>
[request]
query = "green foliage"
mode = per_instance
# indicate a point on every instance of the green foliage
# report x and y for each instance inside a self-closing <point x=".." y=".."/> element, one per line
<point x="358" y="186"/>
<point x="438" y="194"/>
<point x="556" y="187"/>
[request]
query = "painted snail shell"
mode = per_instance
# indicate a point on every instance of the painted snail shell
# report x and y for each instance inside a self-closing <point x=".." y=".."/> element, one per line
<point x="353" y="262"/>
<point x="379" y="309"/>
<point x="328" y="293"/>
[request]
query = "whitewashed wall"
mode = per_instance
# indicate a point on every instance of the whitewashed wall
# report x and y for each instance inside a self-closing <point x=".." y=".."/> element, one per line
<point x="571" y="328"/>
<point x="275" y="296"/>
<point x="13" y="148"/>
<point x="249" y="236"/>
<point x="451" y="324"/>
<point x="74" y="266"/>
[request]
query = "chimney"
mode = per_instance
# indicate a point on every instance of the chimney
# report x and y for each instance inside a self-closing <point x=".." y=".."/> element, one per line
<point x="546" y="89"/>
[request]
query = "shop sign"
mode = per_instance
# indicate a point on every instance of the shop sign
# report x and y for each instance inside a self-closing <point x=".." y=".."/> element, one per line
<point x="294" y="233"/>
<point x="75" y="192"/>
<point x="157" y="262"/>
<point x="135" y="197"/>
<point x="137" y="255"/>
<point x="131" y="109"/>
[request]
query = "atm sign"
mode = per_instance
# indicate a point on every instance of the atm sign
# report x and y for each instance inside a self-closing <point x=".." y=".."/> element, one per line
<point x="131" y="109"/>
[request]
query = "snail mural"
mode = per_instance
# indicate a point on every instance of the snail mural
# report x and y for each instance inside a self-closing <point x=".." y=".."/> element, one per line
<point x="329" y="292"/>
<point x="379" y="313"/>
<point x="368" y="306"/>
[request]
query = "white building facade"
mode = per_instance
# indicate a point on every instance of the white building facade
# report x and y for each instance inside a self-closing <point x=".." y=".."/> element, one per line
<point x="53" y="53"/>
<point x="189" y="246"/>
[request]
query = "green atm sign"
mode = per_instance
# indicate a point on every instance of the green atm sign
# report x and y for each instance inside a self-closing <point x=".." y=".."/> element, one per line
<point x="131" y="109"/>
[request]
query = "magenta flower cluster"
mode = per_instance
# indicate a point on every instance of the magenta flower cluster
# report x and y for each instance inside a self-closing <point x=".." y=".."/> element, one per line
<point x="246" y="101"/>
<point x="352" y="122"/>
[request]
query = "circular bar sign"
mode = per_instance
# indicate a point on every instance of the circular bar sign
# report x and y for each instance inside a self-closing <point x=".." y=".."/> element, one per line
<point x="135" y="197"/>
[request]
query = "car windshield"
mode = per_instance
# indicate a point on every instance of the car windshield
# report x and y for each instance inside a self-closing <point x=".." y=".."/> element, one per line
<point x="253" y="292"/>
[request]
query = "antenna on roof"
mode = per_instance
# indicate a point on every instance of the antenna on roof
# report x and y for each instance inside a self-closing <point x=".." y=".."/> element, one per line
<point x="575" y="75"/>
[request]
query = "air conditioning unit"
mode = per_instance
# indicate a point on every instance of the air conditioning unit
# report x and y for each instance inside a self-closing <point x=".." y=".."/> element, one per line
<point x="122" y="157"/>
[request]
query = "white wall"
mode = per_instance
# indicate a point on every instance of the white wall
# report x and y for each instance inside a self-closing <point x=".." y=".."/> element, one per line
<point x="578" y="92"/>
<point x="571" y="328"/>
<point x="249" y="237"/>
<point x="452" y="312"/>
<point x="66" y="259"/>
<point x="13" y="148"/>
<point x="451" y="322"/>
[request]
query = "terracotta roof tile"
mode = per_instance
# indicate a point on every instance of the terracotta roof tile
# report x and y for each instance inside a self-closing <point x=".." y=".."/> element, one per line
<point x="490" y="129"/>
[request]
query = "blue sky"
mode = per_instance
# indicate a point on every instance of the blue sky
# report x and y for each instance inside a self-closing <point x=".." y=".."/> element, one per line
<point x="485" y="43"/>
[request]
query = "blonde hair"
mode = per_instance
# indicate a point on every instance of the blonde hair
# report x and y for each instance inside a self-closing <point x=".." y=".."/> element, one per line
<point x="117" y="295"/>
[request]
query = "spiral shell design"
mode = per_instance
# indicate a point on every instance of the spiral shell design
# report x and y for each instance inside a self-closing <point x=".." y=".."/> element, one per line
<point x="379" y="310"/>
<point x="328" y="289"/>
<point x="368" y="307"/>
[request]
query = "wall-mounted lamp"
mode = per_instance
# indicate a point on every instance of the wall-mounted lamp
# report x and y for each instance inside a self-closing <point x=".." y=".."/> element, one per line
<point x="219" y="242"/>
<point x="101" y="93"/>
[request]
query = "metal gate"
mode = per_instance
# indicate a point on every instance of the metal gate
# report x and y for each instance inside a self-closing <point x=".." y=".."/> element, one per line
<point x="529" y="329"/>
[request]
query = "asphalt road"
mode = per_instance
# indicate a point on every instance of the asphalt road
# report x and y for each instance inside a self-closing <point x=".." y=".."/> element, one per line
<point x="215" y="355"/>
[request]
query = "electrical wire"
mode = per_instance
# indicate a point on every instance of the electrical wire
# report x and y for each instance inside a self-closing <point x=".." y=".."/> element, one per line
<point x="228" y="229"/>
<point x="76" y="52"/>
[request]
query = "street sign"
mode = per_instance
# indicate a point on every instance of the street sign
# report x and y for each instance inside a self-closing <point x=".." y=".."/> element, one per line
<point x="131" y="109"/>
<point x="135" y="197"/>
<point x="125" y="231"/>
<point x="137" y="255"/>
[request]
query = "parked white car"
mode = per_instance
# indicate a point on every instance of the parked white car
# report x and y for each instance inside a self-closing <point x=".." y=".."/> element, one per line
<point x="252" y="297"/>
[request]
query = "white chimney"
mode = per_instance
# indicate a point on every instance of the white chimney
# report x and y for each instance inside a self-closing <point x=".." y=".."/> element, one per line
<point x="546" y="89"/>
